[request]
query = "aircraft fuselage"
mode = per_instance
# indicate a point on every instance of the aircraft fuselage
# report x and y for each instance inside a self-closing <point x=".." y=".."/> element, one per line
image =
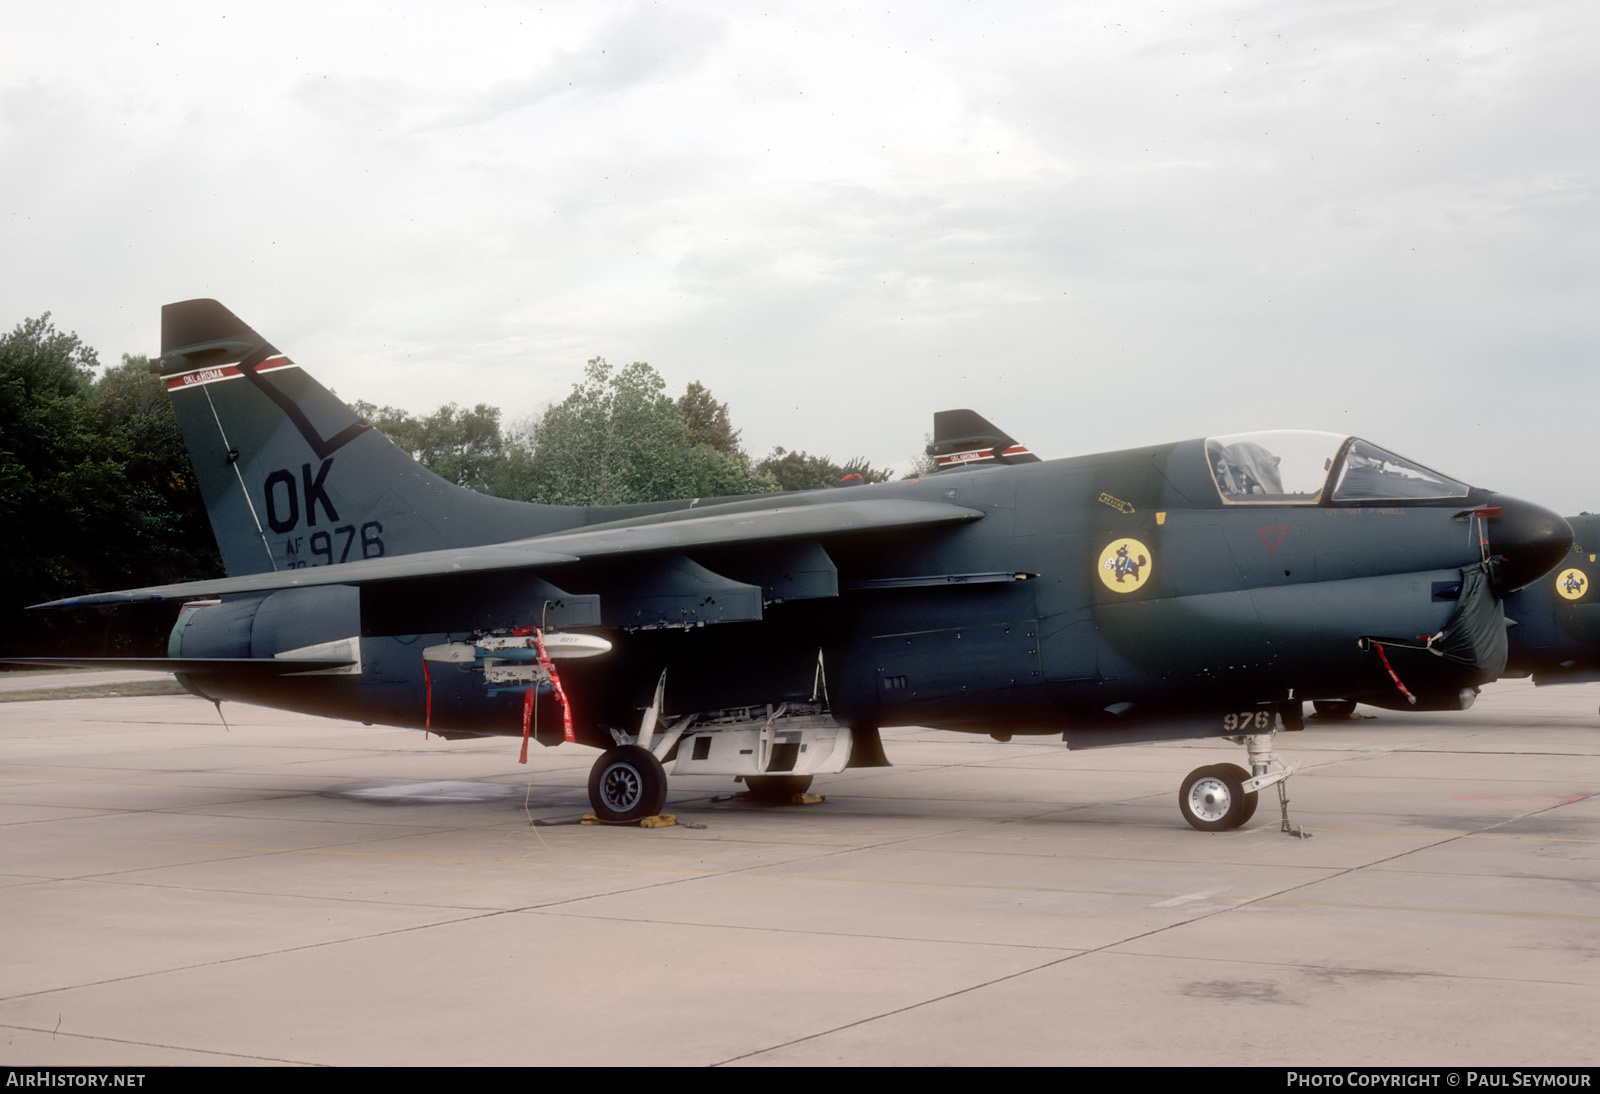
<point x="1116" y="582"/>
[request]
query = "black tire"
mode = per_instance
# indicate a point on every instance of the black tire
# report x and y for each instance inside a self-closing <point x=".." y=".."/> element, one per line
<point x="1212" y="799"/>
<point x="1251" y="800"/>
<point x="776" y="788"/>
<point x="1334" y="708"/>
<point x="627" y="783"/>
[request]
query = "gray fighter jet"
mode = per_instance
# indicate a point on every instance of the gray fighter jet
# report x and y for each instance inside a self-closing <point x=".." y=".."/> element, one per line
<point x="1197" y="589"/>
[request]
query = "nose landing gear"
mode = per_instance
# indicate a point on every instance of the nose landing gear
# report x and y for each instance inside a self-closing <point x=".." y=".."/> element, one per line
<point x="1221" y="797"/>
<point x="1213" y="799"/>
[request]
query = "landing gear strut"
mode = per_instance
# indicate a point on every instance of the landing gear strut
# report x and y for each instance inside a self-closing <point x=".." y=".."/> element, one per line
<point x="627" y="783"/>
<point x="1219" y="797"/>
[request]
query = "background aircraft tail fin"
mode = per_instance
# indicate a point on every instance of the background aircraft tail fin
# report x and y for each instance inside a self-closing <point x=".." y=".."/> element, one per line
<point x="291" y="476"/>
<point x="965" y="438"/>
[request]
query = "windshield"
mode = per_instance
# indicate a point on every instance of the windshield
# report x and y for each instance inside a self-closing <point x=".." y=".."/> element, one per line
<point x="1291" y="466"/>
<point x="1371" y="474"/>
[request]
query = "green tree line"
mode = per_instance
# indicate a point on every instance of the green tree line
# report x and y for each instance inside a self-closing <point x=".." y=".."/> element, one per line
<point x="617" y="438"/>
<point x="97" y="492"/>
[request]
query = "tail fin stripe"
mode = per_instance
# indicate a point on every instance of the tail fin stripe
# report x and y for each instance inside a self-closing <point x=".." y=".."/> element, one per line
<point x="323" y="447"/>
<point x="215" y="373"/>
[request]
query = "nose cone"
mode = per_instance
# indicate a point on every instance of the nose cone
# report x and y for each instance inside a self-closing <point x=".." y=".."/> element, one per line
<point x="1530" y="539"/>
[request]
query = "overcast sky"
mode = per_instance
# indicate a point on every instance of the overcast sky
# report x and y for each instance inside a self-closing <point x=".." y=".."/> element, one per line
<point x="1099" y="224"/>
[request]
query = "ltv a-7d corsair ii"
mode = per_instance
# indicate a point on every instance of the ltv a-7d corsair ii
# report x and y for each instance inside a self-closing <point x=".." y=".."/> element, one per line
<point x="1189" y="590"/>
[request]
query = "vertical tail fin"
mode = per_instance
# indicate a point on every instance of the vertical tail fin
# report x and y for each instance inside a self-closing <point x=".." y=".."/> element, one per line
<point x="291" y="476"/>
<point x="965" y="438"/>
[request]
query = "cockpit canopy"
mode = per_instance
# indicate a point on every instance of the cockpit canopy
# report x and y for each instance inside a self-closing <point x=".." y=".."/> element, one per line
<point x="1302" y="467"/>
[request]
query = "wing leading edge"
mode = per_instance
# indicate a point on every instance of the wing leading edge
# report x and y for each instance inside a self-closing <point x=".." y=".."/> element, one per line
<point x="199" y="666"/>
<point x="692" y="531"/>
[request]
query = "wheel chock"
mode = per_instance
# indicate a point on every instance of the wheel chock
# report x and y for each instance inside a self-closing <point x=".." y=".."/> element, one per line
<point x="660" y="820"/>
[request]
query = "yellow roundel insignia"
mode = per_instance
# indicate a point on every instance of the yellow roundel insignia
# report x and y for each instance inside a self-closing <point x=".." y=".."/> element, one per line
<point x="1125" y="565"/>
<point x="1572" y="583"/>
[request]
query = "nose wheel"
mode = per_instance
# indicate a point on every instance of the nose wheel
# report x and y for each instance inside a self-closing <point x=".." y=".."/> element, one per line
<point x="1221" y="797"/>
<point x="1213" y="799"/>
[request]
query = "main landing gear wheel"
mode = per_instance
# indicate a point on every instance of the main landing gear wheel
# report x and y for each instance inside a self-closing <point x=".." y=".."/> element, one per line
<point x="1334" y="708"/>
<point x="627" y="783"/>
<point x="1213" y="798"/>
<point x="776" y="788"/>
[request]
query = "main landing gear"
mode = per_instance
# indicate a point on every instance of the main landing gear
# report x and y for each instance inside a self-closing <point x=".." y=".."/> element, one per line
<point x="775" y="749"/>
<point x="1220" y="797"/>
<point x="627" y="783"/>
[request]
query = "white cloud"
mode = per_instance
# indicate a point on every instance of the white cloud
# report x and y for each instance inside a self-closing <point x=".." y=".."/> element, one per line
<point x="1099" y="224"/>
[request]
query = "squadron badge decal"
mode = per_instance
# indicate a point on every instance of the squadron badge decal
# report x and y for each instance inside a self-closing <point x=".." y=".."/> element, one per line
<point x="1572" y="583"/>
<point x="1124" y="565"/>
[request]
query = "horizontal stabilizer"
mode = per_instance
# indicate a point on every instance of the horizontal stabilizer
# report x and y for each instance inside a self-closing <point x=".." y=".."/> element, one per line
<point x="191" y="666"/>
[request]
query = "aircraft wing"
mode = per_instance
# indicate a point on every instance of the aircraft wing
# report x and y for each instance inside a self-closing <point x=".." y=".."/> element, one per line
<point x="498" y="556"/>
<point x="232" y="666"/>
<point x="673" y="534"/>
